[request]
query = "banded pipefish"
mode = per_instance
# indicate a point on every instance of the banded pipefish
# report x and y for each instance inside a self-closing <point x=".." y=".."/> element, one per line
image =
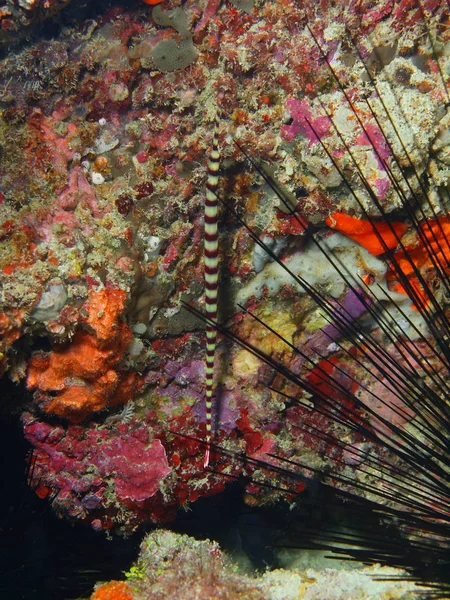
<point x="211" y="266"/>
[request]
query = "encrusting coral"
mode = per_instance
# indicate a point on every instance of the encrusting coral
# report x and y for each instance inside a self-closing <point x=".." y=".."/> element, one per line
<point x="377" y="238"/>
<point x="113" y="590"/>
<point x="82" y="377"/>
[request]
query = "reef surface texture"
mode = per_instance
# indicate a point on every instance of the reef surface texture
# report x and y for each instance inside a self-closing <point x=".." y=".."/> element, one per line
<point x="172" y="566"/>
<point x="105" y="129"/>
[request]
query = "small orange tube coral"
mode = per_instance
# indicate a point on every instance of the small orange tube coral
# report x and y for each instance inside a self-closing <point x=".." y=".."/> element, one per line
<point x="113" y="590"/>
<point x="374" y="237"/>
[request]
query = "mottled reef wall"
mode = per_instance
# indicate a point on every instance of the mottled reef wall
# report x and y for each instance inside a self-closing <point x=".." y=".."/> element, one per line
<point x="106" y="123"/>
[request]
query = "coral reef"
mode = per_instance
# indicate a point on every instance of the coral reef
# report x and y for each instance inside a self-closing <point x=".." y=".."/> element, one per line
<point x="104" y="131"/>
<point x="172" y="566"/>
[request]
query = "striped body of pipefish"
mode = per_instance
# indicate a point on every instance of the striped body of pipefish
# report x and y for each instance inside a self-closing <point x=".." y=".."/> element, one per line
<point x="211" y="281"/>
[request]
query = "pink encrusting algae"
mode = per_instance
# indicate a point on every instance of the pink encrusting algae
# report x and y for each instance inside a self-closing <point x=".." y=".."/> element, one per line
<point x="103" y="170"/>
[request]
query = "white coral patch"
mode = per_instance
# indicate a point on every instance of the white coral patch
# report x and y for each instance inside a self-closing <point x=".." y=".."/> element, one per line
<point x="51" y="303"/>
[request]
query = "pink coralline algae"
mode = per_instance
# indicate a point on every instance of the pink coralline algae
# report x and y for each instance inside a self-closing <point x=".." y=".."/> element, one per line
<point x="303" y="121"/>
<point x="104" y="139"/>
<point x="77" y="189"/>
<point x="94" y="469"/>
<point x="147" y="466"/>
<point x="339" y="133"/>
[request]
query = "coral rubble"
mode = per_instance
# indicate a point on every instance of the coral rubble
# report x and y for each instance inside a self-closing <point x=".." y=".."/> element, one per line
<point x="104" y="131"/>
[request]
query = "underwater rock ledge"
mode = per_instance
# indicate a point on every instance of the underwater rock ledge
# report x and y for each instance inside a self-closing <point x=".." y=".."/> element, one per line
<point x="173" y="566"/>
